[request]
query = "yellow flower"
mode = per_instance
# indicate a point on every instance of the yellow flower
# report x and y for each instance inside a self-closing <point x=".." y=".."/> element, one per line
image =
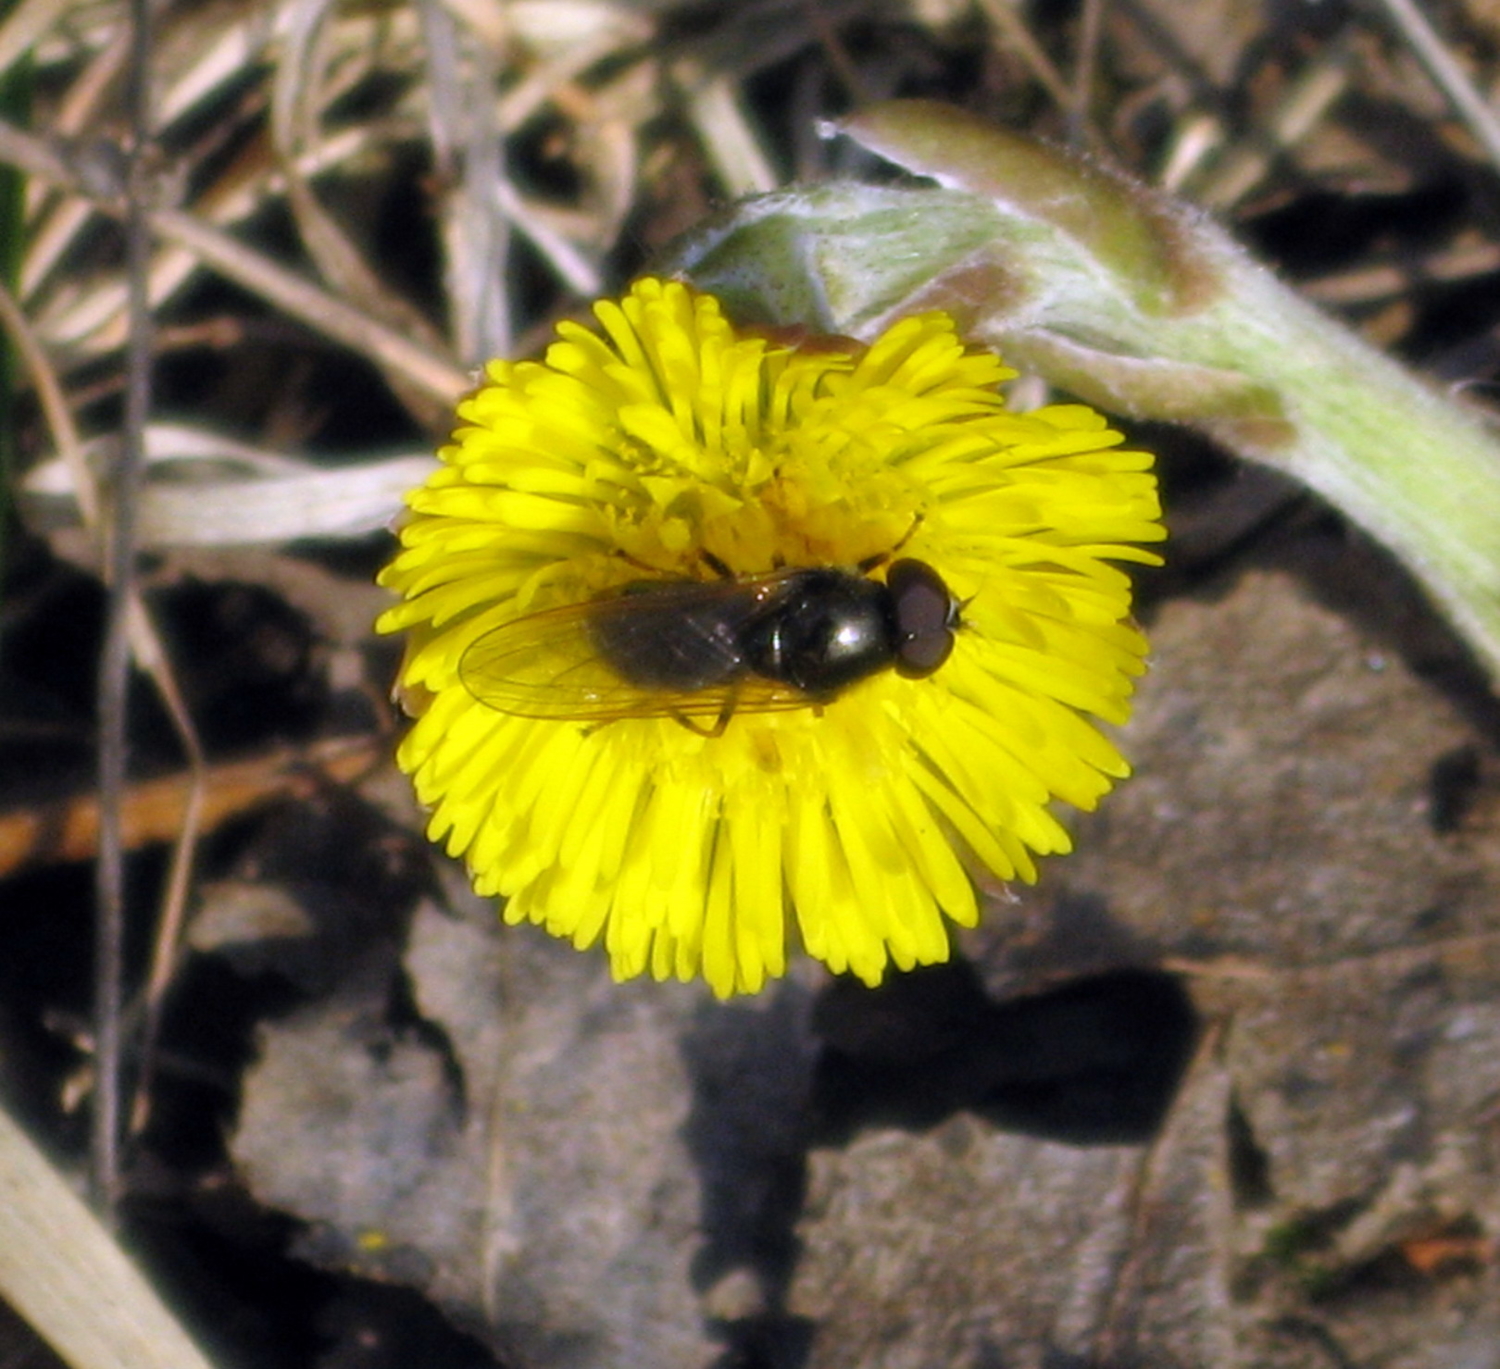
<point x="671" y="446"/>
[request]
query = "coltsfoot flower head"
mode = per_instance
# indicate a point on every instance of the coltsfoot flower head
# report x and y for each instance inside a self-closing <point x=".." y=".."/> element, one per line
<point x="691" y="820"/>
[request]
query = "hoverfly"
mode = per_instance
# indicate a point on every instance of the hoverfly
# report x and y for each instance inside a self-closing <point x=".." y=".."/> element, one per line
<point x="681" y="649"/>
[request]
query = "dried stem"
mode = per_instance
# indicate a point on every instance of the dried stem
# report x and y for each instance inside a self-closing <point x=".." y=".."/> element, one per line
<point x="114" y="665"/>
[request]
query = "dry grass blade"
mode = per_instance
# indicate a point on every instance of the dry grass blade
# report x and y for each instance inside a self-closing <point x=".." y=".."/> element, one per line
<point x="326" y="313"/>
<point x="1433" y="53"/>
<point x="1010" y="27"/>
<point x="221" y="493"/>
<point x="305" y="83"/>
<point x="1303" y="107"/>
<point x="24" y="24"/>
<point x="731" y="144"/>
<point x="323" y="312"/>
<point x="61" y="1270"/>
<point x="467" y="145"/>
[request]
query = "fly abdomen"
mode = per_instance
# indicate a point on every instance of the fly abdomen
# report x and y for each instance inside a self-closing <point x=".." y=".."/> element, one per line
<point x="671" y="639"/>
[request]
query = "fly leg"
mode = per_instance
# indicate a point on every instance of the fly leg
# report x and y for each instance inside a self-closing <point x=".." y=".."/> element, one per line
<point x="713" y="562"/>
<point x="881" y="557"/>
<point x="717" y="730"/>
<point x="726" y="712"/>
<point x="716" y="565"/>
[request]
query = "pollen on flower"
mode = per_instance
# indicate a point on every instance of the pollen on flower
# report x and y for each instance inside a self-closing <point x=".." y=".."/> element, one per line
<point x="670" y="483"/>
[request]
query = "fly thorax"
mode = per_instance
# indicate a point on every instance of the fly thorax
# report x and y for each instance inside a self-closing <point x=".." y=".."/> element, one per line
<point x="827" y="630"/>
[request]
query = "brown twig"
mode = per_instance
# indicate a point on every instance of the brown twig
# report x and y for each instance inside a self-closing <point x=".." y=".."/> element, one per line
<point x="156" y="810"/>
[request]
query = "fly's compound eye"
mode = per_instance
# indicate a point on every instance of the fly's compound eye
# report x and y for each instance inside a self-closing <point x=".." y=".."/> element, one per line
<point x="926" y="614"/>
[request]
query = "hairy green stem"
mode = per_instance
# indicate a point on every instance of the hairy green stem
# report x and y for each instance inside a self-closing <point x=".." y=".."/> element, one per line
<point x="1135" y="304"/>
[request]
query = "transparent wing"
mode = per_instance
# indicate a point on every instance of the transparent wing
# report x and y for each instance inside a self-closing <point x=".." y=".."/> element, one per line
<point x="650" y="651"/>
